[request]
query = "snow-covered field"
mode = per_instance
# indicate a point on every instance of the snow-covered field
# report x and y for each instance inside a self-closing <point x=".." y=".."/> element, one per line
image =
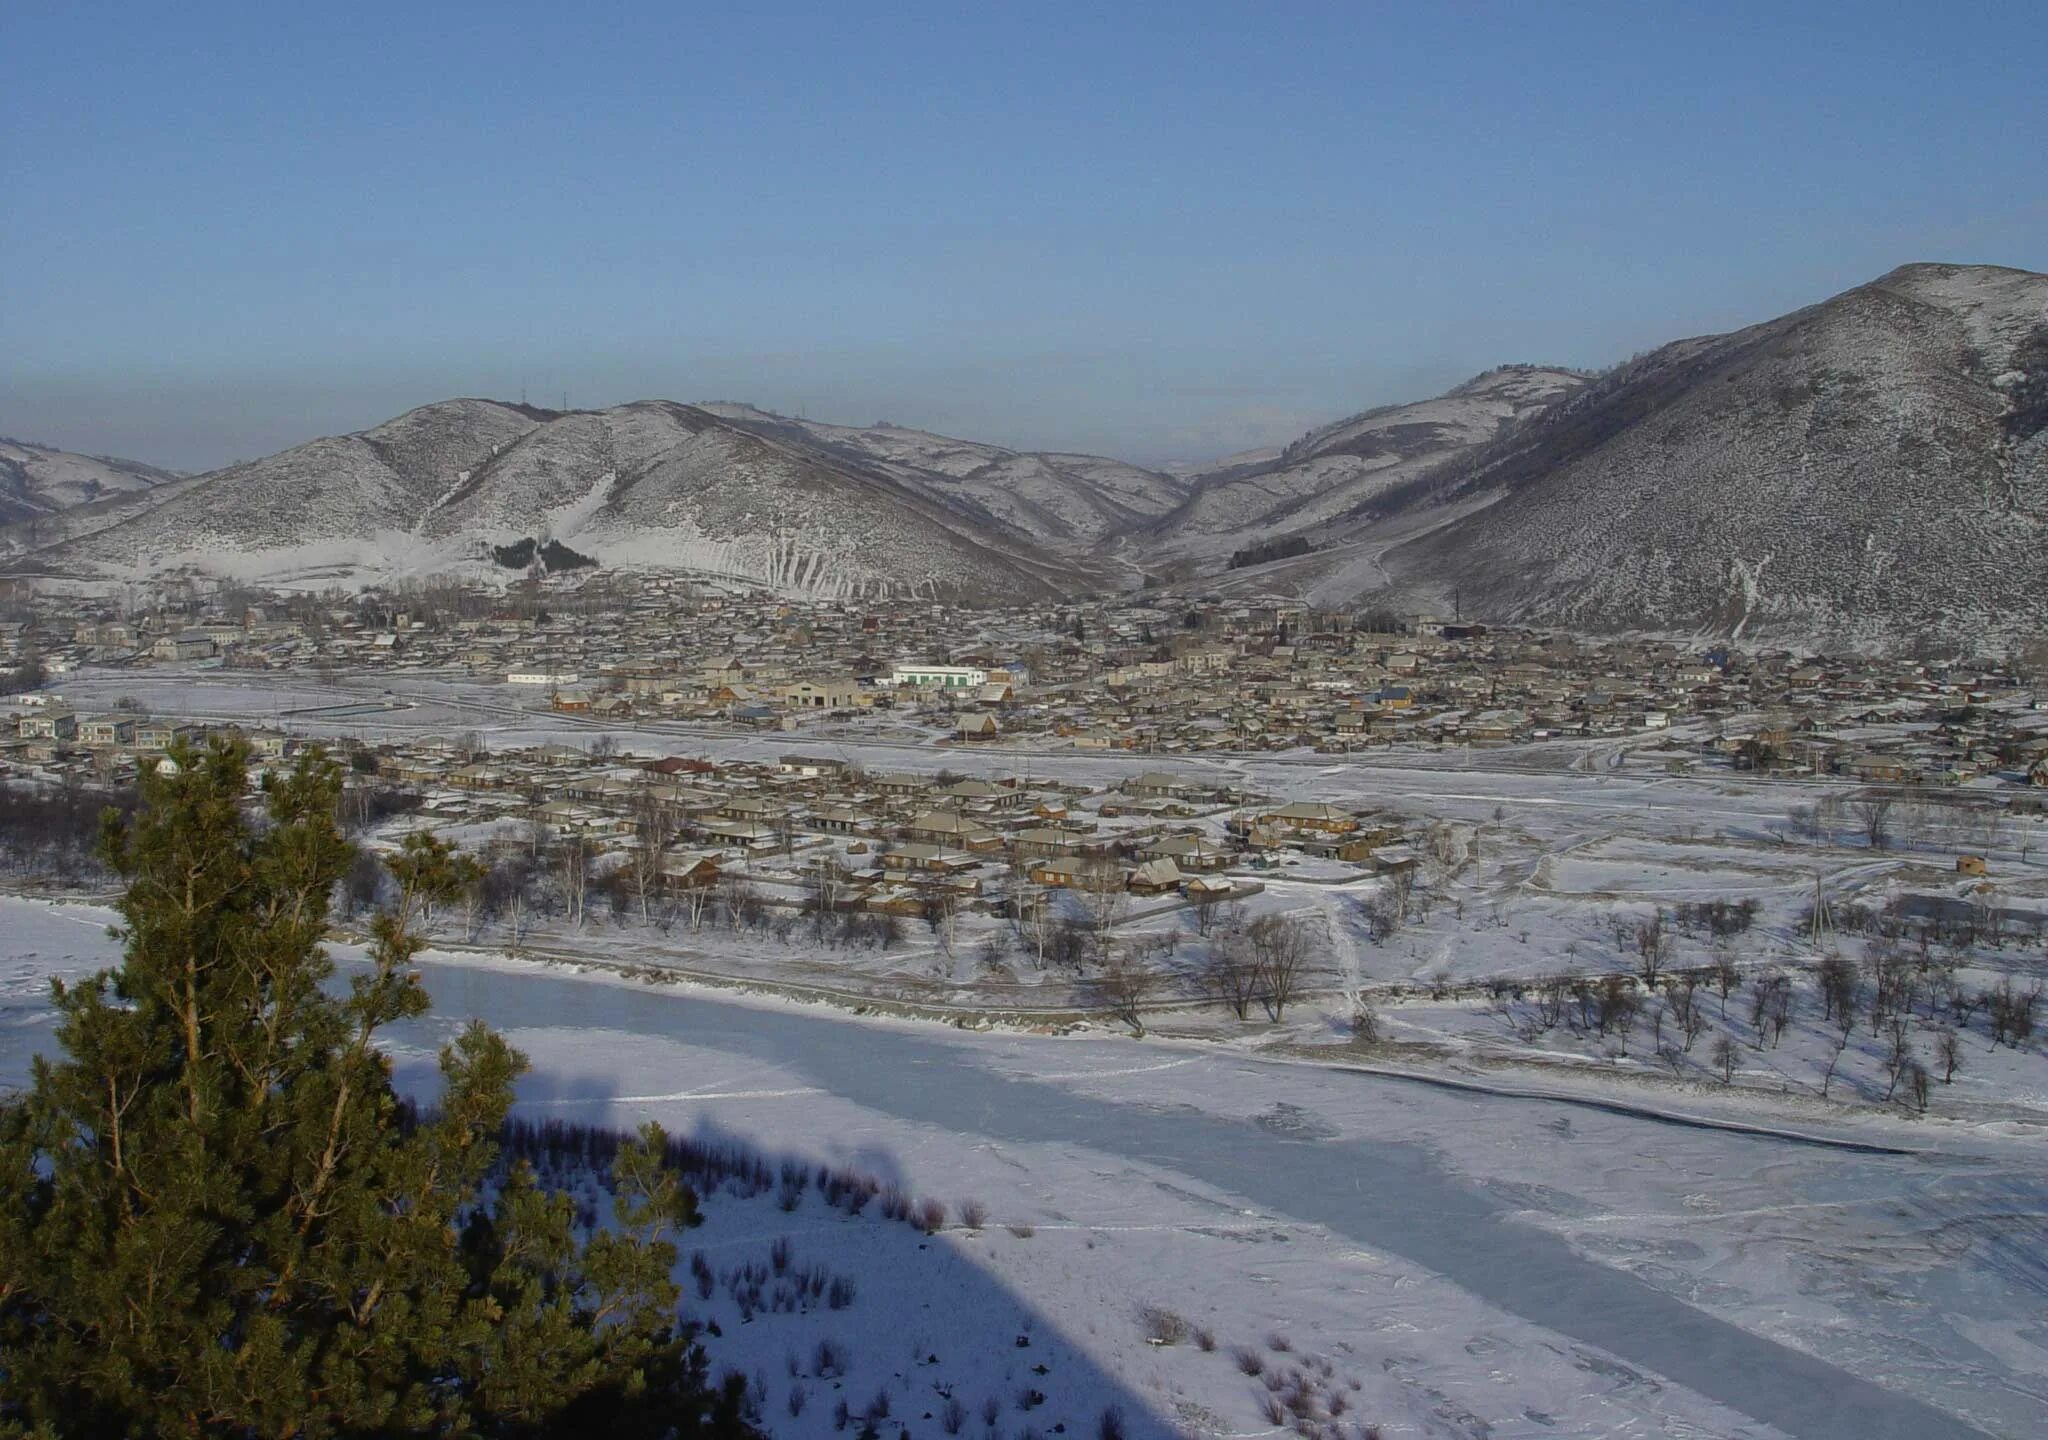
<point x="1477" y="1264"/>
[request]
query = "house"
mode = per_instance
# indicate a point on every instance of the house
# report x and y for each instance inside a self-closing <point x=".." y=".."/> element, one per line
<point x="981" y="792"/>
<point x="185" y="645"/>
<point x="928" y="859"/>
<point x="107" y="730"/>
<point x="160" y="734"/>
<point x="1311" y="815"/>
<point x="977" y="727"/>
<point x="1156" y="877"/>
<point x="668" y="765"/>
<point x="900" y="782"/>
<point x="750" y="834"/>
<point x="1188" y="852"/>
<point x="53" y="722"/>
<point x="949" y="827"/>
<point x="689" y="869"/>
<point x="809" y="767"/>
<point x="1159" y="785"/>
<point x="1390" y="859"/>
<point x="839" y="694"/>
<point x="1046" y="842"/>
<point x="836" y="820"/>
<point x="1068" y="873"/>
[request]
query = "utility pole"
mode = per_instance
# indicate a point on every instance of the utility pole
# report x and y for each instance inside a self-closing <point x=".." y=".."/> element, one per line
<point x="1823" y="918"/>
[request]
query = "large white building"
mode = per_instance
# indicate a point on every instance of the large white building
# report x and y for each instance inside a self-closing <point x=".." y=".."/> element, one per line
<point x="553" y="679"/>
<point x="949" y="677"/>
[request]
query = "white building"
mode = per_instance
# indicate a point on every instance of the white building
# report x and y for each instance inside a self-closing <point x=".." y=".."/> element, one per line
<point x="948" y="677"/>
<point x="552" y="679"/>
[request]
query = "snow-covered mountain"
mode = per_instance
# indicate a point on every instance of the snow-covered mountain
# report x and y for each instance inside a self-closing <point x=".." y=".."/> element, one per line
<point x="1868" y="470"/>
<point x="37" y="480"/>
<point x="1061" y="502"/>
<point x="1321" y="480"/>
<point x="651" y="485"/>
<point x="1862" y="472"/>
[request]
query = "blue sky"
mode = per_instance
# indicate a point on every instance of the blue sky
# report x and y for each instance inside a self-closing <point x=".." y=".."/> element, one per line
<point x="1162" y="231"/>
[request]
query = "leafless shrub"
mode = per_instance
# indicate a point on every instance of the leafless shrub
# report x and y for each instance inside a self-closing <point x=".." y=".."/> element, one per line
<point x="1275" y="1412"/>
<point x="952" y="1415"/>
<point x="1205" y="1339"/>
<point x="973" y="1214"/>
<point x="1248" y="1360"/>
<point x="1162" y="1326"/>
<point x="797" y="1399"/>
<point x="1279" y="1344"/>
<point x="1023" y="1232"/>
<point x="930" y="1216"/>
<point x="1111" y="1424"/>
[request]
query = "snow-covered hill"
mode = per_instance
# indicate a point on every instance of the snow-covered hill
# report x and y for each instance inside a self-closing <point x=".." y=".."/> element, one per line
<point x="651" y="485"/>
<point x="1320" y="480"/>
<point x="1866" y="471"/>
<point x="1862" y="472"/>
<point x="656" y="485"/>
<point x="36" y="480"/>
<point x="1061" y="502"/>
<point x="332" y="509"/>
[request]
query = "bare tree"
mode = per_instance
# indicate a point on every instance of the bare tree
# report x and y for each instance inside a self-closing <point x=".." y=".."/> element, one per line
<point x="1233" y="974"/>
<point x="1898" y="1054"/>
<point x="572" y="873"/>
<point x="1949" y="1054"/>
<point x="517" y="911"/>
<point x="1837" y="979"/>
<point x="1845" y="1024"/>
<point x="1873" y="810"/>
<point x="476" y="904"/>
<point x="942" y="913"/>
<point x="1725" y="1056"/>
<point x="1280" y="953"/>
<point x="1653" y="943"/>
<point x="1103" y="887"/>
<point x="1123" y="986"/>
<point x="653" y="828"/>
<point x="1726" y="977"/>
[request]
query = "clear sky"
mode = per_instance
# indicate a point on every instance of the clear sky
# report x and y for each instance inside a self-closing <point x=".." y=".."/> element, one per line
<point x="1157" y="230"/>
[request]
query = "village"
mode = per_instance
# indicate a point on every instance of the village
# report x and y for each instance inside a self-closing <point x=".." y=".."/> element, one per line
<point x="1124" y="811"/>
<point x="1132" y="675"/>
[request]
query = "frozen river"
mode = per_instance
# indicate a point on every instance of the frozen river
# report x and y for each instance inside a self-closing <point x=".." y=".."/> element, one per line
<point x="1392" y="1195"/>
<point x="1553" y="1266"/>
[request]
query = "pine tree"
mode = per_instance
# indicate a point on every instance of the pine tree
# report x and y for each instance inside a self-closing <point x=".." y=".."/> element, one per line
<point x="217" y="1216"/>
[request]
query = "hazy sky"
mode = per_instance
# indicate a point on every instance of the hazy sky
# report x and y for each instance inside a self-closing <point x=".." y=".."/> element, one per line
<point x="1162" y="231"/>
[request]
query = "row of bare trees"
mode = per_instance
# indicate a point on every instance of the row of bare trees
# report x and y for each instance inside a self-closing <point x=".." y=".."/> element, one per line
<point x="1265" y="963"/>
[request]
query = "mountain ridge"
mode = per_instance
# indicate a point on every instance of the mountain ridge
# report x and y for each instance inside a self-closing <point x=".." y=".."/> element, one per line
<point x="1868" y="468"/>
